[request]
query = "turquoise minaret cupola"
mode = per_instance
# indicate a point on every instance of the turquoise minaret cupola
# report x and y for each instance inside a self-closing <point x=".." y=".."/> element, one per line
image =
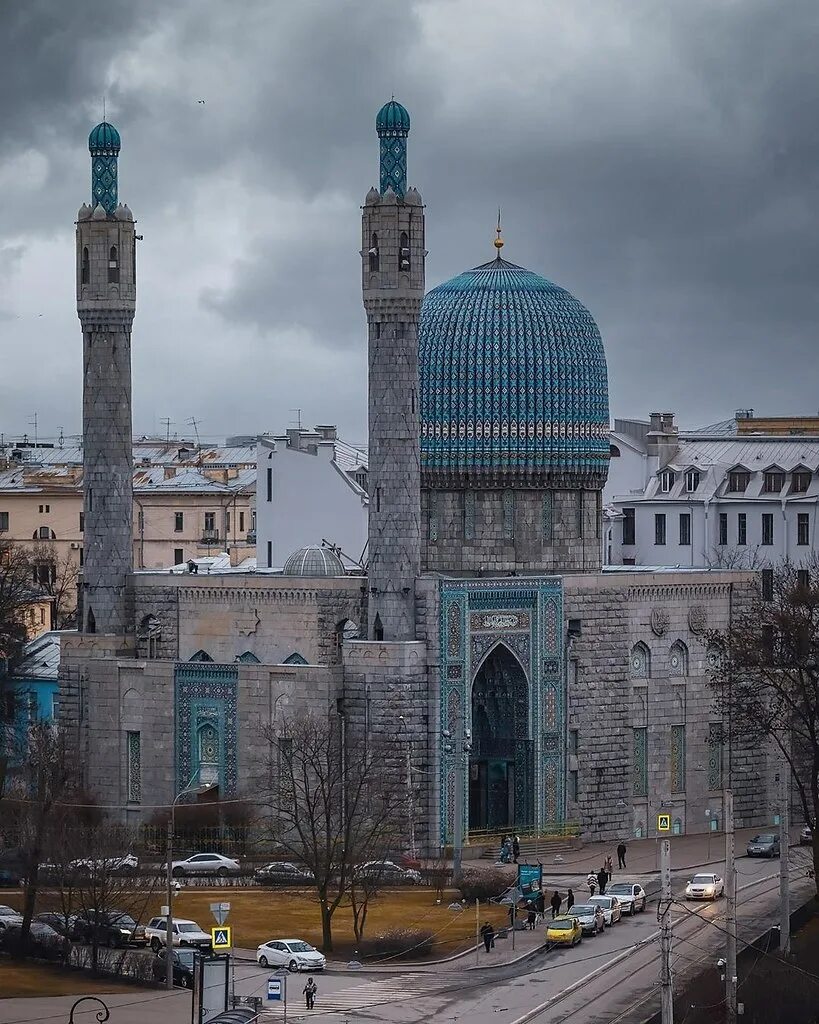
<point x="393" y="124"/>
<point x="104" y="146"/>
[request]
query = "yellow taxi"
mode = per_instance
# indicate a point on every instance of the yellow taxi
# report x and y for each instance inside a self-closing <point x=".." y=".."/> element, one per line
<point x="564" y="931"/>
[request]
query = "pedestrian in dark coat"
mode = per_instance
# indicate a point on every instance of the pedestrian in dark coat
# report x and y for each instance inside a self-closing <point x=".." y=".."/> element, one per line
<point x="555" y="902"/>
<point x="515" y="848"/>
<point x="569" y="901"/>
<point x="309" y="991"/>
<point x="488" y="936"/>
<point x="531" y="917"/>
<point x="602" y="878"/>
<point x="621" y="855"/>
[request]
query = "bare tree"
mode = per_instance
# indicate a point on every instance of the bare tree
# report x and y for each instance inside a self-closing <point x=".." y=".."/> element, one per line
<point x="57" y="577"/>
<point x="767" y="678"/>
<point x="15" y="594"/>
<point x="333" y="806"/>
<point x="724" y="557"/>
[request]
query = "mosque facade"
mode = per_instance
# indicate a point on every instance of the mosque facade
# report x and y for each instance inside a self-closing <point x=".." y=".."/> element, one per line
<point x="524" y="686"/>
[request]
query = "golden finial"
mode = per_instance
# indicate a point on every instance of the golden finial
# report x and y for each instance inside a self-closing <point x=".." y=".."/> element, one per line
<point x="498" y="241"/>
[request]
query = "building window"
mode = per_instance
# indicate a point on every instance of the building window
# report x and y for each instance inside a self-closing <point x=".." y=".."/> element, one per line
<point x="742" y="528"/>
<point x="134" y="768"/>
<point x="178" y="556"/>
<point x="269" y="483"/>
<point x="715" y="756"/>
<point x="210" y="522"/>
<point x="82" y="522"/>
<point x="677" y="827"/>
<point x="692" y="479"/>
<point x="548" y="515"/>
<point x="767" y="528"/>
<point x="573" y="787"/>
<point x="270" y="554"/>
<point x="659" y="528"/>
<point x="738" y="480"/>
<point x="802" y="528"/>
<point x="677" y="758"/>
<point x="85" y="266"/>
<point x="373" y="254"/>
<point x="685" y="528"/>
<point x="640" y="778"/>
<point x="227" y="521"/>
<point x="640" y="661"/>
<point x="378" y="499"/>
<point x="404" y="255"/>
<point x="45" y="508"/>
<point x="773" y="481"/>
<point x="723" y="528"/>
<point x="666" y="481"/>
<point x="803" y="579"/>
<point x="141" y="521"/>
<point x="113" y="265"/>
<point x="44" y="573"/>
<point x="629" y="527"/>
<point x="81" y="558"/>
<point x="800" y="481"/>
<point x="178" y="522"/>
<point x="574" y="741"/>
<point x="241" y="522"/>
<point x="678" y="659"/>
<point x="579" y="513"/>
<point x="767" y="584"/>
<point x="4" y="522"/>
<point x="469" y="515"/>
<point x="508" y="513"/>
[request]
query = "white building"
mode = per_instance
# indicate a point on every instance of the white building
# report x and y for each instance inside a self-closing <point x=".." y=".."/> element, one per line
<point x="742" y="493"/>
<point x="311" y="487"/>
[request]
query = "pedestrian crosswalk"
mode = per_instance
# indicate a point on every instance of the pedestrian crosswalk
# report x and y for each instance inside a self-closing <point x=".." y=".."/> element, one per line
<point x="358" y="997"/>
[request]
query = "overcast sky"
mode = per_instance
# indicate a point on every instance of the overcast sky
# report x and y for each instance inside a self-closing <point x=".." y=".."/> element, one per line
<point x="659" y="160"/>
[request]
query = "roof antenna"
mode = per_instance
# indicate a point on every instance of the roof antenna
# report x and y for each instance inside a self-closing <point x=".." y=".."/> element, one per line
<point x="103" y="107"/>
<point x="498" y="241"/>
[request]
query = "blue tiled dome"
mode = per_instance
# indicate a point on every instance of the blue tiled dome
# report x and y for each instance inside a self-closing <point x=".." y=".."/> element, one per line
<point x="104" y="139"/>
<point x="514" y="386"/>
<point x="392" y="119"/>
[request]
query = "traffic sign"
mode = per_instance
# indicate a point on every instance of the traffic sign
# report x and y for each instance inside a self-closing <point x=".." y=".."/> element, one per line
<point x="275" y="988"/>
<point x="220" y="912"/>
<point x="663" y="822"/>
<point x="220" y="937"/>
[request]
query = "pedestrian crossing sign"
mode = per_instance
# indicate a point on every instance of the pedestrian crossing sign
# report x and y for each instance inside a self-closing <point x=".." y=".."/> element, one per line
<point x="220" y="937"/>
<point x="663" y="822"/>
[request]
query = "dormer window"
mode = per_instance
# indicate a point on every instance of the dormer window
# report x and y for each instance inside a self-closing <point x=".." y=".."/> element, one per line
<point x="404" y="252"/>
<point x="800" y="481"/>
<point x="738" y="480"/>
<point x="373" y="254"/>
<point x="113" y="265"/>
<point x="692" y="479"/>
<point x="666" y="481"/>
<point x="773" y="481"/>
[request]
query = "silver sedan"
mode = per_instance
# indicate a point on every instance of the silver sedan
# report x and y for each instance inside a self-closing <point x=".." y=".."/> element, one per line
<point x="610" y="906"/>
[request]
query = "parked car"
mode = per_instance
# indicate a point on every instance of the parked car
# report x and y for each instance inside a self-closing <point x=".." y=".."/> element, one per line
<point x="183" y="964"/>
<point x="10" y="878"/>
<point x="705" y="887"/>
<point x="806" y="836"/>
<point x="294" y="954"/>
<point x="43" y="940"/>
<point x="205" y="864"/>
<point x="283" y="873"/>
<point x="112" y="928"/>
<point x="766" y="844"/>
<point x="610" y="906"/>
<point x="183" y="933"/>
<point x="591" y="917"/>
<point x="564" y="931"/>
<point x="125" y="865"/>
<point x="386" y="871"/>
<point x="632" y="896"/>
<point x="8" y="917"/>
<point x="62" y="924"/>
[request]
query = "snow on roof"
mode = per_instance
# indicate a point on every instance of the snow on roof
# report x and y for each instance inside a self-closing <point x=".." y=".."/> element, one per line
<point x="41" y="657"/>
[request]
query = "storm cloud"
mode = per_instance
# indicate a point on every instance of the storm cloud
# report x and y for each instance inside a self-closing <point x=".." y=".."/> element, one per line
<point x="658" y="160"/>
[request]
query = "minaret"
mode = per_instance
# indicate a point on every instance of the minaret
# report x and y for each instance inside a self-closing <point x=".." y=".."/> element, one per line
<point x="393" y="258"/>
<point x="106" y="300"/>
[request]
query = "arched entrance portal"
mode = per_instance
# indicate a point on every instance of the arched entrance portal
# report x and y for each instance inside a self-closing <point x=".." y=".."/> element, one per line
<point x="500" y="768"/>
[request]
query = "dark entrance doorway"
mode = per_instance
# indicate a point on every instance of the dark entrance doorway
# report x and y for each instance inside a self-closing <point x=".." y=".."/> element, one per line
<point x="500" y="768"/>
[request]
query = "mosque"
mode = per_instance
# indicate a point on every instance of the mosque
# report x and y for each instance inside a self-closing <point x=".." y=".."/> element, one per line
<point x="521" y="685"/>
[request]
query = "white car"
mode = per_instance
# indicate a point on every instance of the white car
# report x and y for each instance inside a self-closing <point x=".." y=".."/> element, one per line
<point x="632" y="896"/>
<point x="8" y="917"/>
<point x="126" y="865"/>
<point x="205" y="864"/>
<point x="610" y="906"/>
<point x="294" y="954"/>
<point x="705" y="887"/>
<point x="183" y="933"/>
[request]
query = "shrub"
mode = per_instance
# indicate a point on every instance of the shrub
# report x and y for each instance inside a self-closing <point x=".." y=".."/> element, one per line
<point x="483" y="885"/>
<point x="398" y="942"/>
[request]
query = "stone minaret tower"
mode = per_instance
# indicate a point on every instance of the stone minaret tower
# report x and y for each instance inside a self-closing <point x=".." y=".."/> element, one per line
<point x="393" y="258"/>
<point x="106" y="300"/>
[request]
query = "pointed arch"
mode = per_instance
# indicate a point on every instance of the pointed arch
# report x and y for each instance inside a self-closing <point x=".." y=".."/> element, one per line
<point x="678" y="659"/>
<point x="85" y="266"/>
<point x="373" y="253"/>
<point x="490" y="650"/>
<point x="248" y="657"/>
<point x="640" y="662"/>
<point x="378" y="628"/>
<point x="295" y="659"/>
<point x="113" y="265"/>
<point x="200" y="656"/>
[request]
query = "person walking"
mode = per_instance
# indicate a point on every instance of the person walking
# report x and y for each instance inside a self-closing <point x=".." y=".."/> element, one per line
<point x="555" y="902"/>
<point x="488" y="936"/>
<point x="591" y="882"/>
<point x="621" y="855"/>
<point x="531" y="918"/>
<point x="609" y="867"/>
<point x="602" y="878"/>
<point x="310" y="990"/>
<point x="569" y="901"/>
<point x="515" y="848"/>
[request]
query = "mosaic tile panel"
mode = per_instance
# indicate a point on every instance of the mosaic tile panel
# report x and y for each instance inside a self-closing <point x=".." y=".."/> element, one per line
<point x="206" y="726"/>
<point x="640" y="781"/>
<point x="134" y="767"/>
<point x="677" y="758"/>
<point x="715" y="742"/>
<point x="469" y="515"/>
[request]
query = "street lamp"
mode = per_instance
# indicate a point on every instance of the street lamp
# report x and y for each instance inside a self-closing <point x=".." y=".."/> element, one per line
<point x="460" y="747"/>
<point x="189" y="788"/>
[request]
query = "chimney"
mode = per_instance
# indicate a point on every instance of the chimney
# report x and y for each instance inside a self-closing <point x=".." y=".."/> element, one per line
<point x="327" y="431"/>
<point x="662" y="438"/>
<point x="170" y="472"/>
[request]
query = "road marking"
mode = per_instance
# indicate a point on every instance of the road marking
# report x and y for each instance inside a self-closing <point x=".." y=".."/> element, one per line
<point x="359" y="997"/>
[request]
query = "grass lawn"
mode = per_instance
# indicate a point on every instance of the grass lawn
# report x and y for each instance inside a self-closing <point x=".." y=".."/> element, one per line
<point x="20" y="979"/>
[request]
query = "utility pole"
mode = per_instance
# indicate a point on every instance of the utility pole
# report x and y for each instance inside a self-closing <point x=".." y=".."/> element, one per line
<point x="730" y="913"/>
<point x="460" y="747"/>
<point x="664" y="910"/>
<point x="784" y="838"/>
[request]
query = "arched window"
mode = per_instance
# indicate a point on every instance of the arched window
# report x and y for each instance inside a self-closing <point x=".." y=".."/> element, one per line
<point x="200" y="656"/>
<point x="113" y="265"/>
<point x="295" y="659"/>
<point x="344" y="631"/>
<point x="85" y="266"/>
<point x="713" y="659"/>
<point x="640" y="664"/>
<point x="404" y="252"/>
<point x="638" y="830"/>
<point x="90" y="622"/>
<point x="149" y="634"/>
<point x="678" y="659"/>
<point x="248" y="657"/>
<point x="676" y="828"/>
<point x="378" y="628"/>
<point x="208" y="749"/>
<point x="374" y="254"/>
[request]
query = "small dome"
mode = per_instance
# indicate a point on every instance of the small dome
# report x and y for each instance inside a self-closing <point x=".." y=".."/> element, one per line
<point x="84" y="212"/>
<point x="372" y="197"/>
<point x="99" y="213"/>
<point x="314" y="561"/>
<point x="392" y="119"/>
<point x="104" y="140"/>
